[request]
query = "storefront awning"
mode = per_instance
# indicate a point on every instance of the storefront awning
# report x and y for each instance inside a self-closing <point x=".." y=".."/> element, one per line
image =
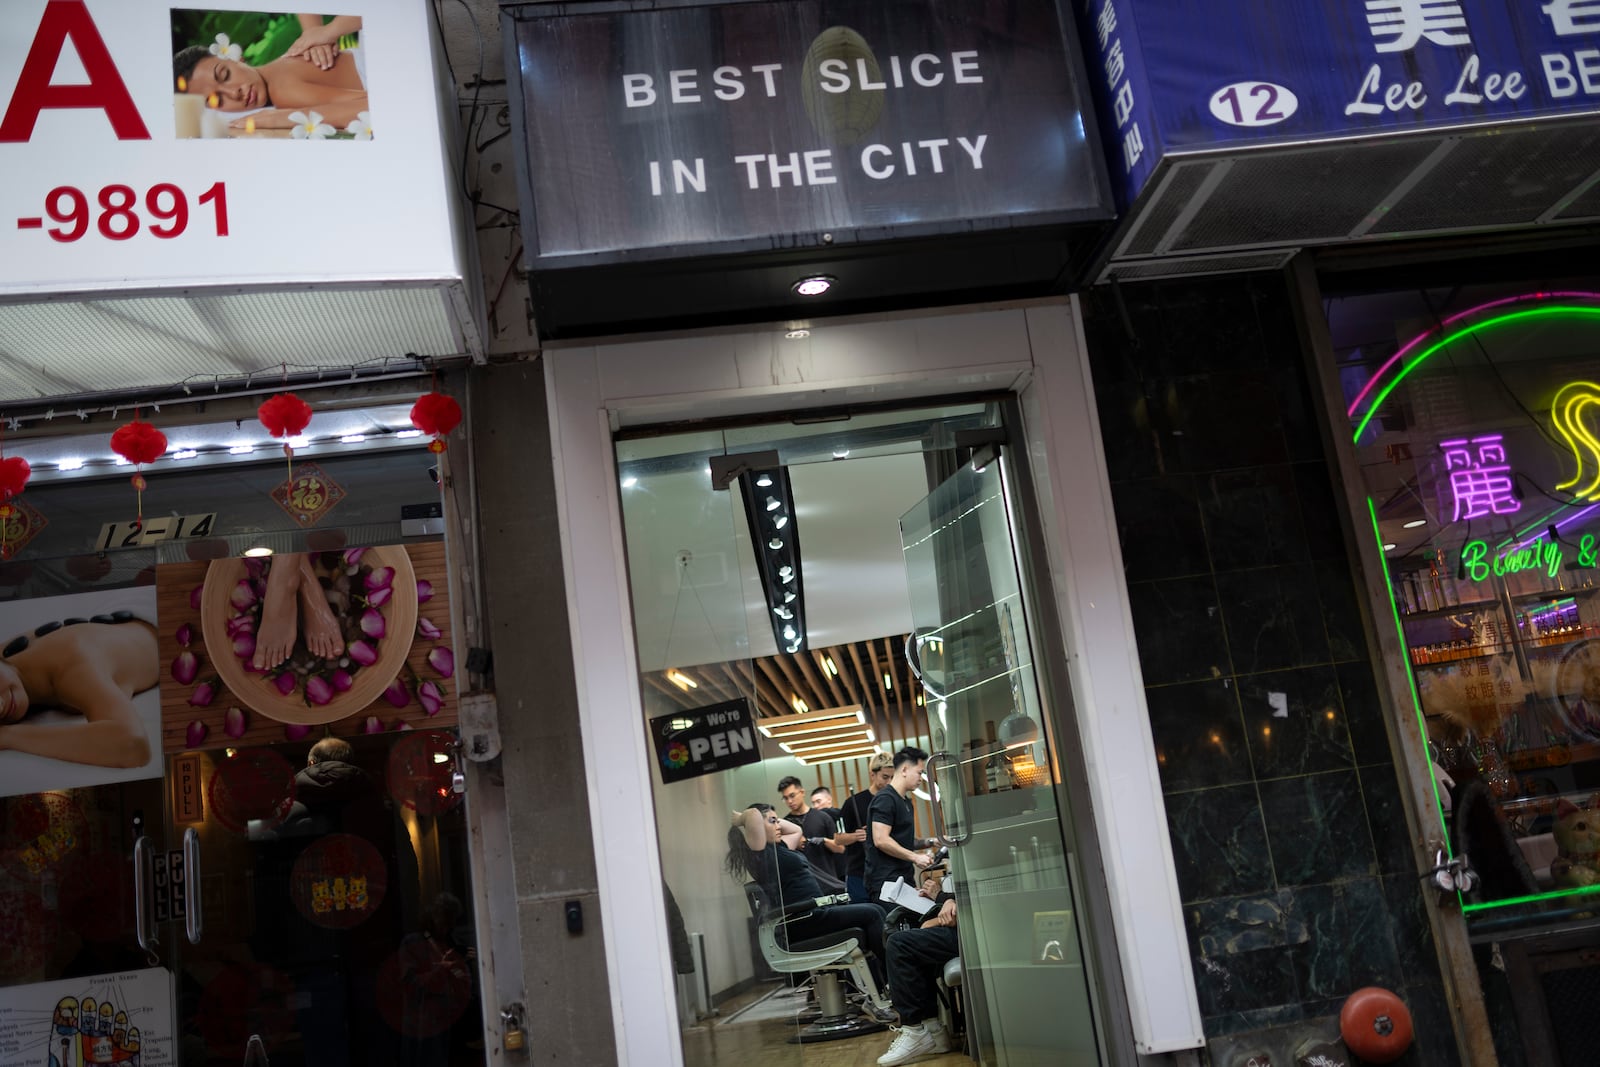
<point x="1304" y="123"/>
<point x="188" y="202"/>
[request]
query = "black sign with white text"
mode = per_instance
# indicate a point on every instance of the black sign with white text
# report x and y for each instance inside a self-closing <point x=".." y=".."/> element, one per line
<point x="716" y="738"/>
<point x="678" y="131"/>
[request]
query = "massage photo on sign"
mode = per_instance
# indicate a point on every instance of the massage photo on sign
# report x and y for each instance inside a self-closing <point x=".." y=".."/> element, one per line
<point x="254" y="74"/>
<point x="78" y="699"/>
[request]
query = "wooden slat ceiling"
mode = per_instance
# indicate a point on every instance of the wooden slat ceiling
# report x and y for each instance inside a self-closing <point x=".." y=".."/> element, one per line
<point x="771" y="683"/>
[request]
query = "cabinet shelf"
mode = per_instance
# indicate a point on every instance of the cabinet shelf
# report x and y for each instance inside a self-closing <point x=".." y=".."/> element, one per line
<point x="1440" y="613"/>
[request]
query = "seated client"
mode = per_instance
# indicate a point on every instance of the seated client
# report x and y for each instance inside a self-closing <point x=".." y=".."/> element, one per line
<point x="916" y="961"/>
<point x="755" y="854"/>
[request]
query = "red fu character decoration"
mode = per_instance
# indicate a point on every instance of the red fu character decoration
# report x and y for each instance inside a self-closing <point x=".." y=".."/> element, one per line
<point x="437" y="414"/>
<point x="285" y="415"/>
<point x="139" y="443"/>
<point x="14" y="474"/>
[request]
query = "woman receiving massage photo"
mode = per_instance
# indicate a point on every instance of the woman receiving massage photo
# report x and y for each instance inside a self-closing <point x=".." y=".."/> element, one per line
<point x="92" y="667"/>
<point x="757" y="852"/>
<point x="313" y="74"/>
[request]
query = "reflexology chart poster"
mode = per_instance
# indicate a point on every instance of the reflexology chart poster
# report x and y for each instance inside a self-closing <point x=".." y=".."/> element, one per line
<point x="79" y="698"/>
<point x="104" y="1019"/>
<point x="294" y="646"/>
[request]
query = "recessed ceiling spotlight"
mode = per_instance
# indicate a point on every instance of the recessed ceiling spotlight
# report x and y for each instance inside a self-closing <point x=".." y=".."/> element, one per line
<point x="780" y="522"/>
<point x="841" y="453"/>
<point x="773" y="504"/>
<point x="764" y="480"/>
<point x="775" y="544"/>
<point x="258" y="551"/>
<point x="797" y="335"/>
<point x="1414" y="523"/>
<point x="70" y="465"/>
<point x="1390" y="547"/>
<point x="814" y="285"/>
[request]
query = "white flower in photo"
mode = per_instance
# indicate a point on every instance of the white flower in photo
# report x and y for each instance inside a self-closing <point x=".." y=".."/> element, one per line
<point x="226" y="49"/>
<point x="309" y="127"/>
<point x="361" y="128"/>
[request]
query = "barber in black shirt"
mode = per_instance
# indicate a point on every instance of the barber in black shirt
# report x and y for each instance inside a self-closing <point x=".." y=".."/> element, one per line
<point x="891" y="827"/>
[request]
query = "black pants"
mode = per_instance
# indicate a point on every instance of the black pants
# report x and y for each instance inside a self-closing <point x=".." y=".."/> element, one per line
<point x="864" y="917"/>
<point x="916" y="961"/>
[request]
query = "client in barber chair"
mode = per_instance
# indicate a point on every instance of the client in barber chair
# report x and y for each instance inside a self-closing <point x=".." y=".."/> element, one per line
<point x="916" y="962"/>
<point x="756" y="853"/>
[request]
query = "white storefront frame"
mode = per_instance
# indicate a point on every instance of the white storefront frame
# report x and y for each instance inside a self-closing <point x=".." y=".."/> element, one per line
<point x="1035" y="350"/>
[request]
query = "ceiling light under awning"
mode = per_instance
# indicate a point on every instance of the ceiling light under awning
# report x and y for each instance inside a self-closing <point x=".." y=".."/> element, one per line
<point x="839" y="757"/>
<point x="855" y="739"/>
<point x="824" y="719"/>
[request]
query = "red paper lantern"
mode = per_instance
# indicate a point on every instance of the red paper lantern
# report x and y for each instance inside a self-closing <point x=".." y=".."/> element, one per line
<point x="139" y="442"/>
<point x="437" y="414"/>
<point x="284" y="415"/>
<point x="14" y="475"/>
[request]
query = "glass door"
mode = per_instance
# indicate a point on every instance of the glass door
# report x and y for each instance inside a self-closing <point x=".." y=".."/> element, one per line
<point x="326" y="906"/>
<point x="997" y="782"/>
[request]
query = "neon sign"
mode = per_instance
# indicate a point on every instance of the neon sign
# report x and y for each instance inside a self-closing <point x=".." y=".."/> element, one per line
<point x="1480" y="477"/>
<point x="1538" y="554"/>
<point x="1566" y="411"/>
<point x="1553" y="311"/>
<point x="1451" y="321"/>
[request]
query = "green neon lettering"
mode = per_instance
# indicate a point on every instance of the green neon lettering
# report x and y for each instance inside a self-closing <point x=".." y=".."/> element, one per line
<point x="1586" y="551"/>
<point x="1477" y="562"/>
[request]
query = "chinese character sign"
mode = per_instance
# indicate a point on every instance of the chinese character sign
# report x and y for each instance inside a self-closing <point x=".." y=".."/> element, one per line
<point x="1398" y="25"/>
<point x="1310" y="69"/>
<point x="1481" y="481"/>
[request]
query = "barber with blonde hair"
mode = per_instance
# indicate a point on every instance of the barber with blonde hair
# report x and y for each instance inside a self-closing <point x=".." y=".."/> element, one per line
<point x="854" y="819"/>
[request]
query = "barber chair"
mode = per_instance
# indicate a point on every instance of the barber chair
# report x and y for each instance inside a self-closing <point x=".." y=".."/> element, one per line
<point x="950" y="995"/>
<point x="827" y="955"/>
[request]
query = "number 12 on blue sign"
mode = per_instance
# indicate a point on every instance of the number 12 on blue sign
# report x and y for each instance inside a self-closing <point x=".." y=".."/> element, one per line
<point x="1253" y="104"/>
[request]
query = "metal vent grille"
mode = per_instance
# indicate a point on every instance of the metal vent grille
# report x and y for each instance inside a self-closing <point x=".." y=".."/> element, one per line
<point x="1158" y="218"/>
<point x="1147" y="270"/>
<point x="1502" y="179"/>
<point x="1586" y="205"/>
<point x="64" y="348"/>
<point x="1303" y="196"/>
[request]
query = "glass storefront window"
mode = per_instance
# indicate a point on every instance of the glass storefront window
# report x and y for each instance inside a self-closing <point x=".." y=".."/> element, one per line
<point x="1475" y="412"/>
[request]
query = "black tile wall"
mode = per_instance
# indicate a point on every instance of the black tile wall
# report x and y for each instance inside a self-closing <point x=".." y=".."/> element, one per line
<point x="1283" y="806"/>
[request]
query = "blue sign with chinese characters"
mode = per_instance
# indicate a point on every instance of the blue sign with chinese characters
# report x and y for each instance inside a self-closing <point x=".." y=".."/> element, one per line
<point x="1182" y="75"/>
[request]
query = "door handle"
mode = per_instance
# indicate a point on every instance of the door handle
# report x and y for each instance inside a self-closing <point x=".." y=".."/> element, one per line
<point x="142" y="874"/>
<point x="940" y="828"/>
<point x="193" y="920"/>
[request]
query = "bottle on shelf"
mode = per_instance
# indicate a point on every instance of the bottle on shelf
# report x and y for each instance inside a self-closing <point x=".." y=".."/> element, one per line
<point x="997" y="768"/>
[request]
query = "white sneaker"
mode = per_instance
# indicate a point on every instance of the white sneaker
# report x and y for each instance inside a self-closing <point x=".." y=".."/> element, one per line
<point x="914" y="1043"/>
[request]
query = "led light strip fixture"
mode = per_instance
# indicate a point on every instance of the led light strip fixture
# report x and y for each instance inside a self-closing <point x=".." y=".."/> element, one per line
<point x="769" y="509"/>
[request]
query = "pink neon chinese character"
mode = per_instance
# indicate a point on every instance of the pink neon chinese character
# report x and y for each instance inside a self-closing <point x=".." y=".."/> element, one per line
<point x="1480" y="477"/>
